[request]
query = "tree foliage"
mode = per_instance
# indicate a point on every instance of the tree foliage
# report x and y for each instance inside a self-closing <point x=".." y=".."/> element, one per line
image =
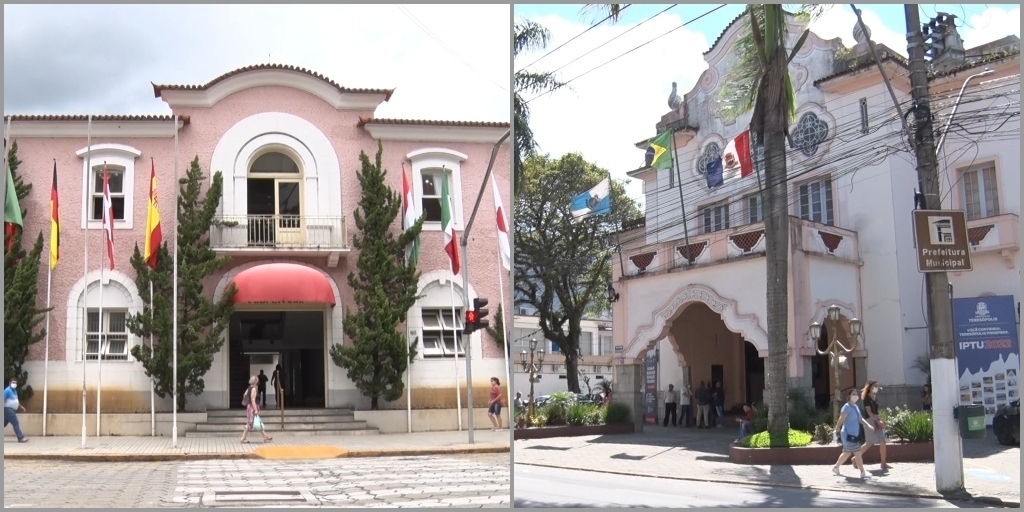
<point x="201" y="321"/>
<point x="563" y="267"/>
<point x="22" y="315"/>
<point x="384" y="287"/>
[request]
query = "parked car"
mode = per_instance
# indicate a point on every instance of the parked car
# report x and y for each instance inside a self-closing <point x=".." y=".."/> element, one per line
<point x="1006" y="423"/>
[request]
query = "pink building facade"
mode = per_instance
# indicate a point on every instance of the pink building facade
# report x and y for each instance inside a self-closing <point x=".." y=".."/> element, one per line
<point x="287" y="142"/>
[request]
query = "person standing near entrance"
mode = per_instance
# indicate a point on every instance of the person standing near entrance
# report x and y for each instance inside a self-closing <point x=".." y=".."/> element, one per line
<point x="252" y="412"/>
<point x="670" y="404"/>
<point x="684" y="405"/>
<point x="261" y="388"/>
<point x="494" y="408"/>
<point x="277" y="381"/>
<point x="11" y="407"/>
<point x="703" y="405"/>
<point x="719" y="397"/>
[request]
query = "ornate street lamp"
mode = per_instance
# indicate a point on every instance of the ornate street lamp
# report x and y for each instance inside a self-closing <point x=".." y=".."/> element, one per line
<point x="531" y="367"/>
<point x="613" y="296"/>
<point x="836" y="351"/>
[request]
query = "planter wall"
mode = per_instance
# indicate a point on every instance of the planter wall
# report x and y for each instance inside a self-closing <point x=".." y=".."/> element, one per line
<point x="819" y="455"/>
<point x="571" y="431"/>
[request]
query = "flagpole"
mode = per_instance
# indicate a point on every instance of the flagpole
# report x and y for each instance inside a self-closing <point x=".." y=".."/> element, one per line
<point x="174" y="295"/>
<point x="103" y="332"/>
<point x="152" y="387"/>
<point x="618" y="230"/>
<point x="504" y="339"/>
<point x="408" y="390"/>
<point x="46" y="351"/>
<point x="85" y="331"/>
<point x="682" y="205"/>
<point x="458" y="382"/>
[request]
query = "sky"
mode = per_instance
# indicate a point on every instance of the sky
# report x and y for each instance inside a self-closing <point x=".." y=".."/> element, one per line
<point x="101" y="59"/>
<point x="605" y="112"/>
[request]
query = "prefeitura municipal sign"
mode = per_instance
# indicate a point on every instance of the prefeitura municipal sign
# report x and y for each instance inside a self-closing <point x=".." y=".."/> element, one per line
<point x="942" y="243"/>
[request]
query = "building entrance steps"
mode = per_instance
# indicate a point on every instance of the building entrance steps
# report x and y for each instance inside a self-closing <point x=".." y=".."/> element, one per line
<point x="297" y="422"/>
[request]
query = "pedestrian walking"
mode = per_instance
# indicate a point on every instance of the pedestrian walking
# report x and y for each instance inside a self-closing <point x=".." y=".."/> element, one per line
<point x="746" y="422"/>
<point x="670" y="405"/>
<point x="869" y="396"/>
<point x="252" y="412"/>
<point x="11" y="407"/>
<point x="719" y="399"/>
<point x="850" y="422"/>
<point x="277" y="382"/>
<point x="685" y="395"/>
<point x="494" y="409"/>
<point x="261" y="388"/>
<point x="703" y="405"/>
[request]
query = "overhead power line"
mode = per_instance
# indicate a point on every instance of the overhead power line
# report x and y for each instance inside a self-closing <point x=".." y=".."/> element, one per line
<point x="595" y="25"/>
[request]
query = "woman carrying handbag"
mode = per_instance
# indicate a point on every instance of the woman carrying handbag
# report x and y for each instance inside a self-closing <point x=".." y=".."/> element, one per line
<point x="252" y="412"/>
<point x="850" y="422"/>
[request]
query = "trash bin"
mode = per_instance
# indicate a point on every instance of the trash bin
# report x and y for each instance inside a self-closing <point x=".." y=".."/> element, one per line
<point x="972" y="421"/>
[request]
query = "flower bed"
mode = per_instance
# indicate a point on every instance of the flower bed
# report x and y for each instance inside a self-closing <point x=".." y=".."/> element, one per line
<point x="563" y="416"/>
<point x="572" y="431"/>
<point x="818" y="454"/>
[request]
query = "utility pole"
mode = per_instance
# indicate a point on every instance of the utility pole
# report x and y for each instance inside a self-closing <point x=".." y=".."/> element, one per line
<point x="949" y="464"/>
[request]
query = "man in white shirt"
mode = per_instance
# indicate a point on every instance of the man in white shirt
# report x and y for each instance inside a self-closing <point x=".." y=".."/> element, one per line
<point x="684" y="405"/>
<point x="670" y="405"/>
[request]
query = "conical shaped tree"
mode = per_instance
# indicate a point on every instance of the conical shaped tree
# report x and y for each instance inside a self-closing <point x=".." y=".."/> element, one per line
<point x="384" y="287"/>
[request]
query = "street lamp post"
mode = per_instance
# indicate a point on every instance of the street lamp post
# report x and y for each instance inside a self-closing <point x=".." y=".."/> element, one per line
<point x="531" y="367"/>
<point x="836" y="351"/>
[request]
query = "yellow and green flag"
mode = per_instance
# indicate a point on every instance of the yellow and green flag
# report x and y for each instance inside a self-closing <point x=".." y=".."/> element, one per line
<point x="659" y="154"/>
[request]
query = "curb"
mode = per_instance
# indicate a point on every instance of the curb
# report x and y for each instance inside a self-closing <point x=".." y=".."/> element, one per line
<point x="988" y="500"/>
<point x="171" y="457"/>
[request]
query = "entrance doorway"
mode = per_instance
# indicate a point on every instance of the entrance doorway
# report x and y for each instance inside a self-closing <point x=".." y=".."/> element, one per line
<point x="295" y="340"/>
<point x="754" y="369"/>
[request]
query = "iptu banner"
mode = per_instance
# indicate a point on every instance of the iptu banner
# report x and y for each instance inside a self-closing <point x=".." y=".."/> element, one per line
<point x="987" y="351"/>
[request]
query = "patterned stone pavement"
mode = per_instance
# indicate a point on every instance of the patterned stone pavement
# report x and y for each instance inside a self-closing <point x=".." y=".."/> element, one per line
<point x="460" y="481"/>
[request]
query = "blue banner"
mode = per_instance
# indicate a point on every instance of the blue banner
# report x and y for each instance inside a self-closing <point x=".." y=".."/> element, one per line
<point x="651" y="388"/>
<point x="987" y="351"/>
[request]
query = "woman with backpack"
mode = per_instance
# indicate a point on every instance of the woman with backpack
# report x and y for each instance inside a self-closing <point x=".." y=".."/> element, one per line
<point x="252" y="412"/>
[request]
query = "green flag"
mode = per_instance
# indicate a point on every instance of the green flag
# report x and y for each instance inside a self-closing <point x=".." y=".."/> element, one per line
<point x="12" y="210"/>
<point x="658" y="154"/>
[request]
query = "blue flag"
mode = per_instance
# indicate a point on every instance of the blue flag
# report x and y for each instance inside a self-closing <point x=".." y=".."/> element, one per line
<point x="713" y="172"/>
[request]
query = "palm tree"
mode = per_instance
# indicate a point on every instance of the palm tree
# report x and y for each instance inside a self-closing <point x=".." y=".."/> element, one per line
<point x="529" y="36"/>
<point x="760" y="80"/>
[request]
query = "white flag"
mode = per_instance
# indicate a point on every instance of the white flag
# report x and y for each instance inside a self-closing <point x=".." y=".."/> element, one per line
<point x="502" y="222"/>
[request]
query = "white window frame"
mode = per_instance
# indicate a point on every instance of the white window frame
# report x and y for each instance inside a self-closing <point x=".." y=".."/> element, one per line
<point x="434" y="159"/>
<point x="114" y="155"/>
<point x="587" y="344"/>
<point x="827" y="186"/>
<point x="105" y="333"/>
<point x="708" y="221"/>
<point x="605" y="345"/>
<point x="985" y="204"/>
<point x="439" y="326"/>
<point x="748" y="215"/>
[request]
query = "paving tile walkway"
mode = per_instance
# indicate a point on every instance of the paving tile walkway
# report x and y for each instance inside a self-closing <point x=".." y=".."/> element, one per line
<point x="161" y="448"/>
<point x="991" y="470"/>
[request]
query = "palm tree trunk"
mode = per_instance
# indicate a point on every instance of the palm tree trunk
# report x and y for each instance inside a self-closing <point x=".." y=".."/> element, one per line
<point x="776" y="214"/>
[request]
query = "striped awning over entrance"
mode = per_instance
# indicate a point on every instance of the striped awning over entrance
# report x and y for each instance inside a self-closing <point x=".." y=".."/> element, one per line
<point x="282" y="283"/>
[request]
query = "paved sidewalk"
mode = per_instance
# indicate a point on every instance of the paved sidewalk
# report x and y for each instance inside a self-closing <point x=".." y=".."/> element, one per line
<point x="991" y="471"/>
<point x="129" y="449"/>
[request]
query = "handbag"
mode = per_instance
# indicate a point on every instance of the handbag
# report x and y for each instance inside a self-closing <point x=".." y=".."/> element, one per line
<point x="257" y="423"/>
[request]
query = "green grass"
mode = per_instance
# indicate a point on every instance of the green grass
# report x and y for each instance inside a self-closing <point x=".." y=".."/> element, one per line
<point x="765" y="440"/>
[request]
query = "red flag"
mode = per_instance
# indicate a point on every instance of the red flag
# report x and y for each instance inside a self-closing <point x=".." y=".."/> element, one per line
<point x="108" y="218"/>
<point x="154" y="235"/>
<point x="737" y="156"/>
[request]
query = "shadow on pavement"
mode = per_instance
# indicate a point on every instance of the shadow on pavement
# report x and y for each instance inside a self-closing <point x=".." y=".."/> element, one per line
<point x="540" y="504"/>
<point x="549" y="448"/>
<point x="986" y="446"/>
<point x="713" y="441"/>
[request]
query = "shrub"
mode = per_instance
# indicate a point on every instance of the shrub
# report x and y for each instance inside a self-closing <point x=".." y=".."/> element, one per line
<point x="760" y="423"/>
<point x="617" y="414"/>
<point x="539" y="420"/>
<point x="557" y="407"/>
<point x="824" y="433"/>
<point x="765" y="440"/>
<point x="581" y="414"/>
<point x="907" y="425"/>
<point x="595" y="415"/>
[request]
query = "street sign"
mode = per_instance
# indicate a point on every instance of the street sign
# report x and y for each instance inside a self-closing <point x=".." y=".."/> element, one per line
<point x="942" y="243"/>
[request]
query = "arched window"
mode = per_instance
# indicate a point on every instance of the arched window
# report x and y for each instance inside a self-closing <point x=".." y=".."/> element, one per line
<point x="274" y="188"/>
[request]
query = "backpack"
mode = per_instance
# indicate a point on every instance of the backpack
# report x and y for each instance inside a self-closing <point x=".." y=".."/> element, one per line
<point x="247" y="397"/>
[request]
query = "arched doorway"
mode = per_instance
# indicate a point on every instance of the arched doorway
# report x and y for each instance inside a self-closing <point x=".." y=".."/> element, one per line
<point x="274" y="199"/>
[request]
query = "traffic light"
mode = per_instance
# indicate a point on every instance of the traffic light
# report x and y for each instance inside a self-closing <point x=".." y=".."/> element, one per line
<point x="480" y="308"/>
<point x="475" y="317"/>
<point x="470" y="326"/>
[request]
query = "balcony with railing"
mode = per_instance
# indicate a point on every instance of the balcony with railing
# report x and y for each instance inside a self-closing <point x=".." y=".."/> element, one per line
<point x="284" y="235"/>
<point x="738" y="244"/>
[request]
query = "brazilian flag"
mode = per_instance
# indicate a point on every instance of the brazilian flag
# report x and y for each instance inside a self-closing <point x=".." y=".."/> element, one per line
<point x="658" y="154"/>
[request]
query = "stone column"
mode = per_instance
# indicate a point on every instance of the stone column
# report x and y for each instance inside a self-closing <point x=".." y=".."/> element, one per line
<point x="628" y="390"/>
